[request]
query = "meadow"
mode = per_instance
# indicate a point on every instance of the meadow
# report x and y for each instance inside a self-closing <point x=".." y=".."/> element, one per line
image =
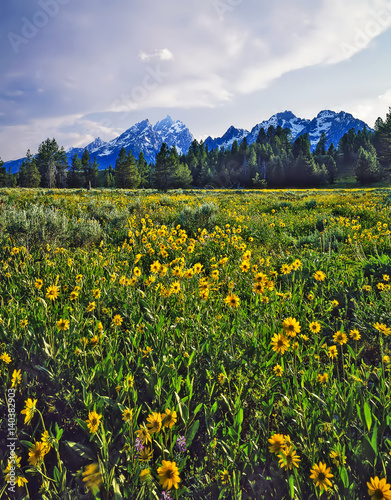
<point x="195" y="344"/>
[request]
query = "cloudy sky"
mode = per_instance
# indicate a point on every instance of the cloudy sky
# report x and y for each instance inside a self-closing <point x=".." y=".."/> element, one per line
<point x="79" y="69"/>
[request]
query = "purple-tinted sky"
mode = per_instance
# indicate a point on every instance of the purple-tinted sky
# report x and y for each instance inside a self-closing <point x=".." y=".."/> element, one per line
<point x="79" y="69"/>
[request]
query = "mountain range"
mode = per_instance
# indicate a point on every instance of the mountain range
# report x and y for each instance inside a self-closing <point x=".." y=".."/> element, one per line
<point x="335" y="125"/>
<point x="148" y="138"/>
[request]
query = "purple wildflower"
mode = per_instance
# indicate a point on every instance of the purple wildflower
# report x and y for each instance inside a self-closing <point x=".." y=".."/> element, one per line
<point x="138" y="445"/>
<point x="165" y="496"/>
<point x="181" y="444"/>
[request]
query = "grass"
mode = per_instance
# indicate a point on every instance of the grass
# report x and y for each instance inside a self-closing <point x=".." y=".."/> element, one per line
<point x="205" y="345"/>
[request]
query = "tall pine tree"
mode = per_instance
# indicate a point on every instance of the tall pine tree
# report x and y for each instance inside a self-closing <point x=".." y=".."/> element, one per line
<point x="3" y="174"/>
<point x="163" y="173"/>
<point x="367" y="167"/>
<point x="86" y="168"/>
<point x="144" y="171"/>
<point x="75" y="174"/>
<point x="383" y="141"/>
<point x="52" y="163"/>
<point x="127" y="175"/>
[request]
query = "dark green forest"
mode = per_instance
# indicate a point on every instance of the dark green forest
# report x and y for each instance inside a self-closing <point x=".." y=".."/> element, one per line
<point x="273" y="161"/>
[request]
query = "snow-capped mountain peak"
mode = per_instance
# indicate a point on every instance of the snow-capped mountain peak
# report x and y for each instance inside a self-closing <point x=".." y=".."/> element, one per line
<point x="226" y="141"/>
<point x="143" y="136"/>
<point x="167" y="122"/>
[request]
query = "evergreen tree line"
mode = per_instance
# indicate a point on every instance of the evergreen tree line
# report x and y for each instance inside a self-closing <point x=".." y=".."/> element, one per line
<point x="273" y="160"/>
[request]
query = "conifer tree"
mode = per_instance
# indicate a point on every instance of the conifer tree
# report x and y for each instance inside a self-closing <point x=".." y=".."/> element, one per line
<point x="320" y="149"/>
<point x="332" y="169"/>
<point x="61" y="168"/>
<point x="261" y="138"/>
<point x="3" y="174"/>
<point x="181" y="177"/>
<point x="22" y="174"/>
<point x="367" y="168"/>
<point x="127" y="175"/>
<point x="144" y="171"/>
<point x="347" y="156"/>
<point x="383" y="141"/>
<point x="192" y="161"/>
<point x="33" y="175"/>
<point x="94" y="173"/>
<point x="304" y="165"/>
<point x="235" y="147"/>
<point x="29" y="175"/>
<point x="270" y="134"/>
<point x="51" y="172"/>
<point x="120" y="169"/>
<point x="109" y="179"/>
<point x="163" y="173"/>
<point x="86" y="167"/>
<point x="75" y="175"/>
<point x="52" y="163"/>
<point x="133" y="175"/>
<point x="332" y="151"/>
<point x="243" y="145"/>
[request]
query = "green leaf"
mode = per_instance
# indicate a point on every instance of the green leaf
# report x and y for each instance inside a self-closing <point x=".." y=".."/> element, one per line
<point x="344" y="477"/>
<point x="351" y="352"/>
<point x="316" y="397"/>
<point x="80" y="449"/>
<point x="58" y="432"/>
<point x="44" y="370"/>
<point x="292" y="486"/>
<point x="26" y="443"/>
<point x="368" y="415"/>
<point x="367" y="450"/>
<point x="359" y="411"/>
<point x="233" y="434"/>
<point x="192" y="432"/>
<point x="180" y="409"/>
<point x="198" y="408"/>
<point x="239" y="419"/>
<point x="56" y="475"/>
<point x="189" y="361"/>
<point x="374" y="439"/>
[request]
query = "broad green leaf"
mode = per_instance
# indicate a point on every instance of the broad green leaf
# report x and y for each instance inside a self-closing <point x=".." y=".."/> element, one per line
<point x="56" y="475"/>
<point x="292" y="486"/>
<point x="344" y="477"/>
<point x="374" y="439"/>
<point x="368" y="415"/>
<point x="197" y="409"/>
<point x="239" y="419"/>
<point x="190" y="434"/>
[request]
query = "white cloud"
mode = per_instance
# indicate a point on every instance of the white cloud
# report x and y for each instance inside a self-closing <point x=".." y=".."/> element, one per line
<point x="386" y="97"/>
<point x="162" y="54"/>
<point x="334" y="33"/>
